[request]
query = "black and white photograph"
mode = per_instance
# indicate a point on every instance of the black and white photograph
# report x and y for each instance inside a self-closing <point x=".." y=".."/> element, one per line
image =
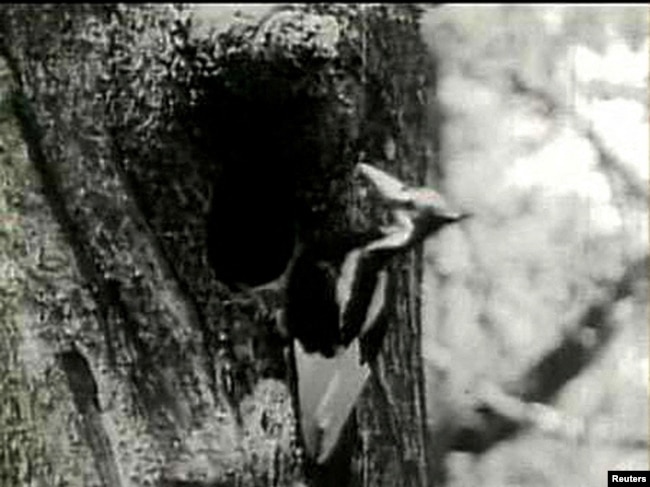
<point x="324" y="245"/>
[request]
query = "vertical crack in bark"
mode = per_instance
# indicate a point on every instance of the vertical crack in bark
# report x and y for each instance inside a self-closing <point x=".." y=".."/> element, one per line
<point x="83" y="387"/>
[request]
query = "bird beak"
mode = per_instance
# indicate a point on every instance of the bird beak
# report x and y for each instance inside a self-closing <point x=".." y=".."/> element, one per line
<point x="456" y="218"/>
<point x="462" y="216"/>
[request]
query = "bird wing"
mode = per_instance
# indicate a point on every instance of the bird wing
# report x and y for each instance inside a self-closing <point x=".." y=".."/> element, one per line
<point x="314" y="373"/>
<point x="328" y="388"/>
<point x="328" y="396"/>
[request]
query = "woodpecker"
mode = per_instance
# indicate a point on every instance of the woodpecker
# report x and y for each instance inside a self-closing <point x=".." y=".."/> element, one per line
<point x="335" y="297"/>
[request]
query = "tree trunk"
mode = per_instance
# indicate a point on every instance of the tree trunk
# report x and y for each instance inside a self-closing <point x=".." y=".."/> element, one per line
<point x="391" y="415"/>
<point x="126" y="131"/>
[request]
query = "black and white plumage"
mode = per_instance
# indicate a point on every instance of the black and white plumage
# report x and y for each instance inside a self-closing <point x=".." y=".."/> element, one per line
<point x="335" y="300"/>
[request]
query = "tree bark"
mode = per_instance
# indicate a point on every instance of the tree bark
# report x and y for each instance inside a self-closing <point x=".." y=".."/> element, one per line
<point x="391" y="414"/>
<point x="126" y="134"/>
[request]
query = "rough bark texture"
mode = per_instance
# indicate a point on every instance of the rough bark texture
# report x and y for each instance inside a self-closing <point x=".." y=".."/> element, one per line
<point x="391" y="415"/>
<point x="127" y="120"/>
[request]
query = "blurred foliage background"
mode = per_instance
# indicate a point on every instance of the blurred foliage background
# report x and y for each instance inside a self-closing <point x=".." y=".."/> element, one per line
<point x="543" y="136"/>
<point x="545" y="139"/>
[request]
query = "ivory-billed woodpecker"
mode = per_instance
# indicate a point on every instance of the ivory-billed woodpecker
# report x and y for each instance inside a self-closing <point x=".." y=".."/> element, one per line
<point x="335" y="298"/>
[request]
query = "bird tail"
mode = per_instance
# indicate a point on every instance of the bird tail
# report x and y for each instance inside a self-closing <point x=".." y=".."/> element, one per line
<point x="328" y="389"/>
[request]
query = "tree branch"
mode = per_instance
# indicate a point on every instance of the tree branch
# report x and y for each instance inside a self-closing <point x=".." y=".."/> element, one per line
<point x="577" y="350"/>
<point x="502" y="413"/>
<point x="608" y="162"/>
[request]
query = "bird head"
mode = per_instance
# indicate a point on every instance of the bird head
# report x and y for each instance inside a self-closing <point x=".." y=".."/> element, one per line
<point x="421" y="205"/>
